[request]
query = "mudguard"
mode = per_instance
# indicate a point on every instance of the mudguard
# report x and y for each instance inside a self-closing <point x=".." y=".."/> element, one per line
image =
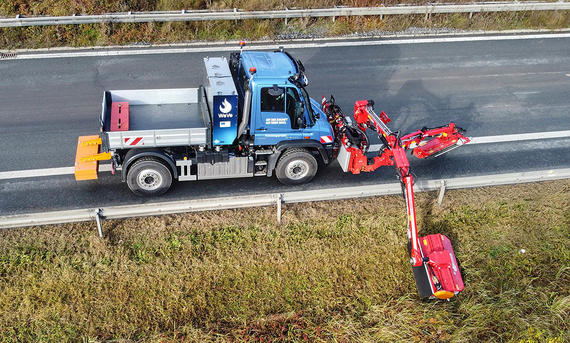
<point x="308" y="143"/>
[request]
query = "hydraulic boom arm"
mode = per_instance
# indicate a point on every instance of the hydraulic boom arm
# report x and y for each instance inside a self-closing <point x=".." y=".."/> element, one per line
<point x="434" y="265"/>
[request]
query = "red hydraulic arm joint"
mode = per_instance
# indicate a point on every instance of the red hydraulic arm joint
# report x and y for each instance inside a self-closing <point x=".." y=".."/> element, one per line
<point x="423" y="143"/>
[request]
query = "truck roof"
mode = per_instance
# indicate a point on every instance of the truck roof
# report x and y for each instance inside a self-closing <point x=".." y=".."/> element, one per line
<point x="272" y="65"/>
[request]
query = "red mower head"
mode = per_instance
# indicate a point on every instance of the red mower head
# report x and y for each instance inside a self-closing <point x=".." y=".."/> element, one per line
<point x="438" y="277"/>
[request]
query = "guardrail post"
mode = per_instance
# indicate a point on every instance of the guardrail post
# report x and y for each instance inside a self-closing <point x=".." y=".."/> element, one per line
<point x="279" y="200"/>
<point x="441" y="193"/>
<point x="98" y="213"/>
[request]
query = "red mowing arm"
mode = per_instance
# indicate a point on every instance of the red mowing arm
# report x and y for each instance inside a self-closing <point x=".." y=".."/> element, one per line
<point x="394" y="153"/>
<point x="432" y="257"/>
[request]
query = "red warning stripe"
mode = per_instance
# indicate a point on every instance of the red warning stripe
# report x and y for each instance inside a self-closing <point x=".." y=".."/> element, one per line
<point x="138" y="139"/>
<point x="133" y="141"/>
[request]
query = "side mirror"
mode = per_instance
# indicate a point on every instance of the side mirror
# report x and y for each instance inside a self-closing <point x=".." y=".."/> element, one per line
<point x="315" y="112"/>
<point x="301" y="66"/>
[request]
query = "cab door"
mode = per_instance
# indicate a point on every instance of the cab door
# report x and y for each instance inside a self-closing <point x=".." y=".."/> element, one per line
<point x="282" y="115"/>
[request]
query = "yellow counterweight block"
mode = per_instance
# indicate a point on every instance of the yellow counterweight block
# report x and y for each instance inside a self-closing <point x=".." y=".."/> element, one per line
<point x="87" y="157"/>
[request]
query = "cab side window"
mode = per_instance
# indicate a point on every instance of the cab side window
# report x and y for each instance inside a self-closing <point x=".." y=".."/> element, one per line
<point x="295" y="108"/>
<point x="272" y="99"/>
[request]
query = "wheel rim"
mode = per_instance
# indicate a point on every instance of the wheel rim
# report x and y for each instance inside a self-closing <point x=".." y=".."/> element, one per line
<point x="297" y="169"/>
<point x="149" y="179"/>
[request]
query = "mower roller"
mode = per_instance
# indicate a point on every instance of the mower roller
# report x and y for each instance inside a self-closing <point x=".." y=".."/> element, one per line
<point x="434" y="264"/>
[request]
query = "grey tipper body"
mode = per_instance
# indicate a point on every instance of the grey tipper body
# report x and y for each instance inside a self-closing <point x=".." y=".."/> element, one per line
<point x="163" y="117"/>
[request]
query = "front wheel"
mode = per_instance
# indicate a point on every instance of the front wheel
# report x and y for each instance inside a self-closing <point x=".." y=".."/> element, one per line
<point x="296" y="166"/>
<point x="148" y="176"/>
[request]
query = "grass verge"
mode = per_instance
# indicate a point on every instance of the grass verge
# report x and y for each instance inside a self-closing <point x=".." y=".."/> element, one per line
<point x="177" y="32"/>
<point x="333" y="271"/>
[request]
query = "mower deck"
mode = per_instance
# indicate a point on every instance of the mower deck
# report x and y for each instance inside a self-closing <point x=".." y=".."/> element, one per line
<point x="439" y="277"/>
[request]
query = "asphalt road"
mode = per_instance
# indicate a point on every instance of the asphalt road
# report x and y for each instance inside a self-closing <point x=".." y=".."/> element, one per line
<point x="487" y="87"/>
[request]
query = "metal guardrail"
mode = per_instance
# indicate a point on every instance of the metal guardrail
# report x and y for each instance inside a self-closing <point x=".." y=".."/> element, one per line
<point x="235" y="14"/>
<point x="150" y="209"/>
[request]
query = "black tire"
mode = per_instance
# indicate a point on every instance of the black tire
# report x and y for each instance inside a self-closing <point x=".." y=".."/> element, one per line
<point x="149" y="176"/>
<point x="296" y="166"/>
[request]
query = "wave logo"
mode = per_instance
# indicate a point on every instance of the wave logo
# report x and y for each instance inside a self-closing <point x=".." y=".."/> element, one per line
<point x="225" y="107"/>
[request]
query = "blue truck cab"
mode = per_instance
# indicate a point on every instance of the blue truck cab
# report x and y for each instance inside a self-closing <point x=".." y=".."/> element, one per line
<point x="281" y="109"/>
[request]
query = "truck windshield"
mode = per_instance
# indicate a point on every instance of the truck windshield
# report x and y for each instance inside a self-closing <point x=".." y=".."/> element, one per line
<point x="312" y="118"/>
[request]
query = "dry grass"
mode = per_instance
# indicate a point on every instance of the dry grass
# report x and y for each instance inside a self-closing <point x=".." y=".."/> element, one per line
<point x="68" y="7"/>
<point x="157" y="33"/>
<point x="333" y="271"/>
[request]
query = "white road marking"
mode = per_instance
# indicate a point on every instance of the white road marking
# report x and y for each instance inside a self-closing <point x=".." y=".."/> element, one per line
<point x="313" y="44"/>
<point x="506" y="138"/>
<point x="478" y="76"/>
<point x="526" y="93"/>
<point x="520" y="137"/>
<point x="20" y="174"/>
<point x="17" y="174"/>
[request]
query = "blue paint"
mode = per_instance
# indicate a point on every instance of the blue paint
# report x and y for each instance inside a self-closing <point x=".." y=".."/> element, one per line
<point x="225" y="119"/>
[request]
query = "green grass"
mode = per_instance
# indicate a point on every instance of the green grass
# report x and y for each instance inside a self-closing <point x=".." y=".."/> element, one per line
<point x="333" y="271"/>
<point x="176" y="32"/>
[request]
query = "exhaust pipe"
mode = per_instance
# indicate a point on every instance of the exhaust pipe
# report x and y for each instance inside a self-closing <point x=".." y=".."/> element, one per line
<point x="245" y="113"/>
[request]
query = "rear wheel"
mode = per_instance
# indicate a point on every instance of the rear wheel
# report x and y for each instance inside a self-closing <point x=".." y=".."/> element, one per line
<point x="296" y="166"/>
<point x="149" y="176"/>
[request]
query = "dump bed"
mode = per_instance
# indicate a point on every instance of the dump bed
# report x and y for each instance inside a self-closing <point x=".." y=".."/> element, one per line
<point x="155" y="118"/>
